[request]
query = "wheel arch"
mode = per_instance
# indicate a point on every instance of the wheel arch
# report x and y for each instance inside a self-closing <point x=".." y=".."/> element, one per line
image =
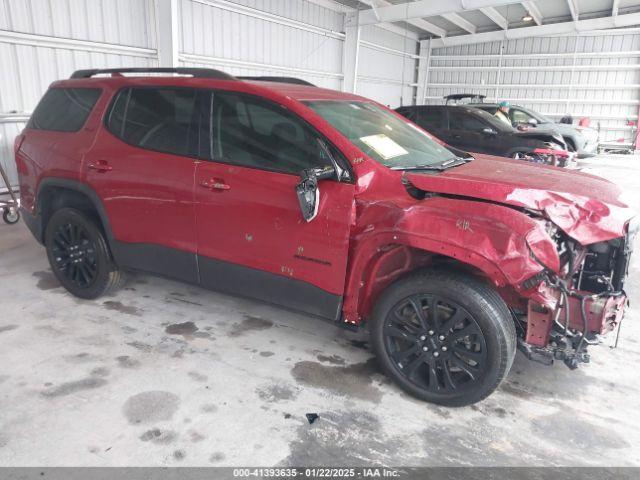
<point x="375" y="270"/>
<point x="55" y="193"/>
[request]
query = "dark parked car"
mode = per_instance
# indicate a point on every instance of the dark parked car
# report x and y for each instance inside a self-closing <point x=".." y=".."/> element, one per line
<point x="582" y="140"/>
<point x="474" y="130"/>
<point x="330" y="204"/>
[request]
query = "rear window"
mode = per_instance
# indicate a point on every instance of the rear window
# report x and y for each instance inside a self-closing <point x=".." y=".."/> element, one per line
<point x="162" y="119"/>
<point x="64" y="109"/>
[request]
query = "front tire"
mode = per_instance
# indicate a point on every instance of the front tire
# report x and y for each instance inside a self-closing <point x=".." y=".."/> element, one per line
<point x="79" y="255"/>
<point x="444" y="337"/>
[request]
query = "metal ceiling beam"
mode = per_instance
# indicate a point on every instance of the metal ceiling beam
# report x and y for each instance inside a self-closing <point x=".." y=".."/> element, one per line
<point x="573" y="8"/>
<point x="417" y="22"/>
<point x="425" y="8"/>
<point x="626" y="20"/>
<point x="496" y="17"/>
<point x="533" y="10"/>
<point x="460" y="22"/>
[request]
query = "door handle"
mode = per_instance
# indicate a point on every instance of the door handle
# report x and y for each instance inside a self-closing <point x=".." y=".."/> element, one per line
<point x="215" y="184"/>
<point x="101" y="166"/>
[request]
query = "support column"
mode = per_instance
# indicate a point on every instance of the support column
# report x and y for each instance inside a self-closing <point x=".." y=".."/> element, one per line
<point x="423" y="70"/>
<point x="167" y="31"/>
<point x="350" y="52"/>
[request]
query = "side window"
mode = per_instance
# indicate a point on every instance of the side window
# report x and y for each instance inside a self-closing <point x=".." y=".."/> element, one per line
<point x="463" y="121"/>
<point x="518" y="116"/>
<point x="171" y="120"/>
<point x="64" y="109"/>
<point x="256" y="133"/>
<point x="409" y="113"/>
<point x="431" y="118"/>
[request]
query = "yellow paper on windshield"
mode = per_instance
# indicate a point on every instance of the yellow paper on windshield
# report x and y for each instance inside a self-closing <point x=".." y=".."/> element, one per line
<point x="384" y="146"/>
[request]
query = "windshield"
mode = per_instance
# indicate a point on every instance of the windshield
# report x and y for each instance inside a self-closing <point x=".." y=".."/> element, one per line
<point x="382" y="136"/>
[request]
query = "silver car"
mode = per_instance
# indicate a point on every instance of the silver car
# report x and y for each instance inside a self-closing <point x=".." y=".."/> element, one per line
<point x="582" y="140"/>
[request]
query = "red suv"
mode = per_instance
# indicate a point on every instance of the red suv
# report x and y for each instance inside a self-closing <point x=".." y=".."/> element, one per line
<point x="330" y="204"/>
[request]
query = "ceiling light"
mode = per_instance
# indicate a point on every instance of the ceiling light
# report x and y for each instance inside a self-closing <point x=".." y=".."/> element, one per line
<point x="527" y="17"/>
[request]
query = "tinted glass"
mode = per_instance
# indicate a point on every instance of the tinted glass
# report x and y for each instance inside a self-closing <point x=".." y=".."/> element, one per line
<point x="493" y="122"/>
<point x="255" y="133"/>
<point x="382" y="135"/>
<point x="168" y="120"/>
<point x="409" y="113"/>
<point x="64" y="109"/>
<point x="464" y="121"/>
<point x="431" y="118"/>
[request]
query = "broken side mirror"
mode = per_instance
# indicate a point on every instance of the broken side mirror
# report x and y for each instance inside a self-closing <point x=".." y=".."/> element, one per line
<point x="489" y="131"/>
<point x="308" y="191"/>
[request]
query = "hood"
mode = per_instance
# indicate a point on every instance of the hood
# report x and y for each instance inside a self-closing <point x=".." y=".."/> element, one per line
<point x="585" y="207"/>
<point x="541" y="134"/>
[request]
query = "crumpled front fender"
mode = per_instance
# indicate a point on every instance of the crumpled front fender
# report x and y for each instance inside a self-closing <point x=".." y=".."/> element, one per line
<point x="489" y="237"/>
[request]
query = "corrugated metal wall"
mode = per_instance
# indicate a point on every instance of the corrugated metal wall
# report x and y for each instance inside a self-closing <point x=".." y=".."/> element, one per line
<point x="254" y="37"/>
<point x="45" y="40"/>
<point x="272" y="37"/>
<point x="595" y="75"/>
<point x="387" y="74"/>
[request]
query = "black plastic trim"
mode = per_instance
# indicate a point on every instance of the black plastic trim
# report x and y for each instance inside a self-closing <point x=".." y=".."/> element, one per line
<point x="79" y="187"/>
<point x="266" y="78"/>
<point x="269" y="287"/>
<point x="158" y="259"/>
<point x="195" y="72"/>
<point x="33" y="223"/>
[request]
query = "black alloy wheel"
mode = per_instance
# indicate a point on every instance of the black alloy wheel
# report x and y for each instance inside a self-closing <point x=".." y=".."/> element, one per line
<point x="443" y="336"/>
<point x="435" y="344"/>
<point x="79" y="254"/>
<point x="75" y="254"/>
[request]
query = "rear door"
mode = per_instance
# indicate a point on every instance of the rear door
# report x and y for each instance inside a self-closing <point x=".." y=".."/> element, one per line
<point x="252" y="238"/>
<point x="142" y="167"/>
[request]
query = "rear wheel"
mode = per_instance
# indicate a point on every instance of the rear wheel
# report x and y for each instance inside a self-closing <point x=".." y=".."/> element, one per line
<point x="79" y="255"/>
<point x="444" y="337"/>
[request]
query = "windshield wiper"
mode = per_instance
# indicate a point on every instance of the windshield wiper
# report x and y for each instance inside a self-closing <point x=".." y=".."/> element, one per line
<point x="453" y="162"/>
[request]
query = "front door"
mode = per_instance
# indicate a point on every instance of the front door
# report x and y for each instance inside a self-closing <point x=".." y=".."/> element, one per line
<point x="142" y="167"/>
<point x="469" y="133"/>
<point x="252" y="238"/>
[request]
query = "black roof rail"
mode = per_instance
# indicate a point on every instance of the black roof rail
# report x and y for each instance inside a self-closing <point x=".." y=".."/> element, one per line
<point x="293" y="80"/>
<point x="194" y="72"/>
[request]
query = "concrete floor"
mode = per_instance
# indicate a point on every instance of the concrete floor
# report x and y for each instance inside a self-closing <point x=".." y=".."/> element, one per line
<point x="164" y="373"/>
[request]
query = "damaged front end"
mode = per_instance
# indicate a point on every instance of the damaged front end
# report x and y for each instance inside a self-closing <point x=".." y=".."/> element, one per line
<point x="583" y="300"/>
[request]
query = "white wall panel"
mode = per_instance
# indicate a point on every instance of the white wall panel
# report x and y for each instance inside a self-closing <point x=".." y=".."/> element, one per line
<point x="121" y="22"/>
<point x="226" y="35"/>
<point x="588" y="75"/>
<point x="387" y="71"/>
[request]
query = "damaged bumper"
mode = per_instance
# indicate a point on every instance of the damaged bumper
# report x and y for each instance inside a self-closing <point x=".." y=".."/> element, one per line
<point x="566" y="315"/>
